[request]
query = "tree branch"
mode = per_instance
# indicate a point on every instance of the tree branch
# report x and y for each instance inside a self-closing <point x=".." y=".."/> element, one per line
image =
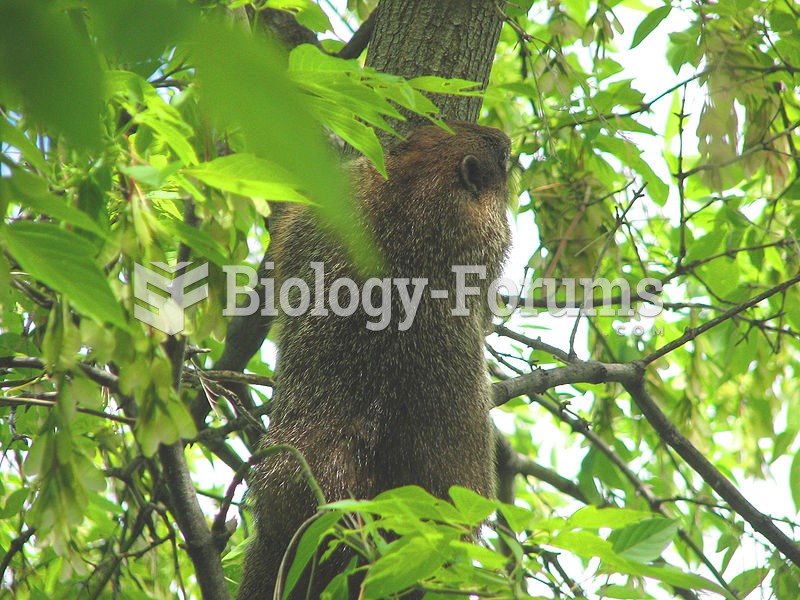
<point x="184" y="505"/>
<point x="360" y="39"/>
<point x="696" y="331"/>
<point x="710" y="474"/>
<point x="581" y="427"/>
<point x="23" y="401"/>
<point x="542" y="380"/>
<point x="631" y="377"/>
<point x="104" y="378"/>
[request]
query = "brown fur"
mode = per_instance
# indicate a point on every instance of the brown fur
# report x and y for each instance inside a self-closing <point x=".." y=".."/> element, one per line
<point x="374" y="410"/>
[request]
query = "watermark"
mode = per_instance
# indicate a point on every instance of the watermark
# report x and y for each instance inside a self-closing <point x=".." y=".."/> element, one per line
<point x="343" y="297"/>
<point x="166" y="310"/>
<point x="377" y="298"/>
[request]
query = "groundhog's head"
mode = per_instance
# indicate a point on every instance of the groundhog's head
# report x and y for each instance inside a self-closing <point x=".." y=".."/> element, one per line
<point x="445" y="199"/>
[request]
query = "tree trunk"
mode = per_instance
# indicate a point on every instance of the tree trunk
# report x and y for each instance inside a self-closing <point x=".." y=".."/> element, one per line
<point x="447" y="38"/>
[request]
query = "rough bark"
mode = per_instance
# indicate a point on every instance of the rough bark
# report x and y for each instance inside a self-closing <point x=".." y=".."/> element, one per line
<point x="447" y="38"/>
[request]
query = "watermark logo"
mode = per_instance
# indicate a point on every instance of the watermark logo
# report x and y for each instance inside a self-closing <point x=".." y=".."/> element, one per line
<point x="165" y="311"/>
<point x="343" y="297"/>
<point x="163" y="299"/>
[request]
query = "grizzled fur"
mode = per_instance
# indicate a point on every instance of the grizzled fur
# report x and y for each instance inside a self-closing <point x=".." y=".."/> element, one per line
<point x="374" y="410"/>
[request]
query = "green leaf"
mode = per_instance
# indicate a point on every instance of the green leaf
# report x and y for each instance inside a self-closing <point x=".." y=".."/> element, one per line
<point x="357" y="134"/>
<point x="518" y="9"/>
<point x="64" y="261"/>
<point x="147" y="174"/>
<point x="677" y="578"/>
<point x="782" y="20"/>
<point x="306" y="58"/>
<point x="406" y="562"/>
<point x="338" y="588"/>
<point x="198" y="240"/>
<point x="474" y="507"/>
<point x="411" y="503"/>
<point x="168" y="133"/>
<point x="52" y="69"/>
<point x="721" y="275"/>
<point x="683" y="48"/>
<point x="620" y="592"/>
<point x="276" y="124"/>
<point x="649" y="23"/>
<point x="412" y="500"/>
<point x="17" y="138"/>
<point x="707" y="245"/>
<point x="644" y="541"/>
<point x="267" y="108"/>
<point x="307" y="547"/>
<point x="139" y="31"/>
<point x="586" y="544"/>
<point x="442" y="85"/>
<point x="32" y="192"/>
<point x="248" y="175"/>
<point x="163" y="419"/>
<point x="518" y="517"/>
<point x="305" y="12"/>
<point x="747" y="581"/>
<point x="591" y="517"/>
<point x="14" y="503"/>
<point x="630" y="155"/>
<point x="794" y="481"/>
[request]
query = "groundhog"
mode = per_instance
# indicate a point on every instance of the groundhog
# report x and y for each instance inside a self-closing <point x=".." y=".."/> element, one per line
<point x="374" y="403"/>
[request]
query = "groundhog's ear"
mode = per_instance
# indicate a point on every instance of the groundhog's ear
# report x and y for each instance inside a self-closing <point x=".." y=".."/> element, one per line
<point x="472" y="177"/>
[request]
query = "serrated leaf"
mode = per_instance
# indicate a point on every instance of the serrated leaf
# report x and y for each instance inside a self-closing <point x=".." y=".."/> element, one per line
<point x="474" y="507"/>
<point x="32" y="192"/>
<point x="198" y="240"/>
<point x="52" y="69"/>
<point x="14" y="503"/>
<point x="305" y="12"/>
<point x="643" y="542"/>
<point x="707" y="245"/>
<point x="407" y="561"/>
<point x="794" y="481"/>
<point x="442" y="85"/>
<point x="591" y="517"/>
<point x="64" y="261"/>
<point x="248" y="175"/>
<point x="747" y="581"/>
<point x="630" y="155"/>
<point x="16" y="138"/>
<point x="721" y="275"/>
<point x="649" y="23"/>
<point x="307" y="547"/>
